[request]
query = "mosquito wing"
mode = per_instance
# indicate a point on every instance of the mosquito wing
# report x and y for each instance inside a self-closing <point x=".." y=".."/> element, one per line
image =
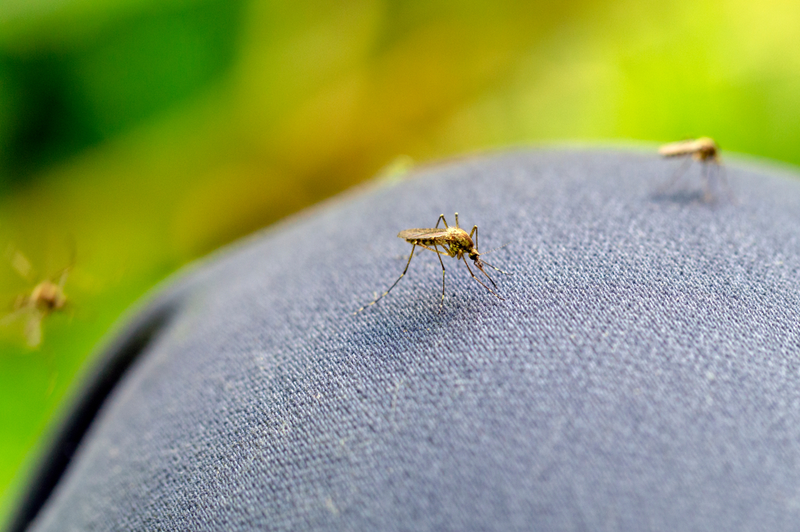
<point x="20" y="263"/>
<point x="14" y="315"/>
<point x="682" y="147"/>
<point x="419" y="234"/>
<point x="26" y="319"/>
<point x="33" y="330"/>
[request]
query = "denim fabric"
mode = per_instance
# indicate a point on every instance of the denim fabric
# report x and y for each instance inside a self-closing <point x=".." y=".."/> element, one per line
<point x="643" y="372"/>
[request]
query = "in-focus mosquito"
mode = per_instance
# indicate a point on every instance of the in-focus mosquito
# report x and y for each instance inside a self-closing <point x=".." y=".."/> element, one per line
<point x="703" y="150"/>
<point x="454" y="241"/>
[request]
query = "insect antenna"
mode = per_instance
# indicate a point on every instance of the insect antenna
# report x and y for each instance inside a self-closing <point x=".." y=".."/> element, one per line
<point x="494" y="249"/>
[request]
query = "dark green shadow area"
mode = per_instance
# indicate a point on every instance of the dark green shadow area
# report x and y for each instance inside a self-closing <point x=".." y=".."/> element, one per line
<point x="58" y="102"/>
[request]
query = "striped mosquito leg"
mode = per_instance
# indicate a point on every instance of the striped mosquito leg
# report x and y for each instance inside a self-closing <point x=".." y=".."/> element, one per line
<point x="413" y="247"/>
<point x="438" y="254"/>
<point x="708" y="192"/>
<point x="475" y="232"/>
<point x="723" y="179"/>
<point x="663" y="189"/>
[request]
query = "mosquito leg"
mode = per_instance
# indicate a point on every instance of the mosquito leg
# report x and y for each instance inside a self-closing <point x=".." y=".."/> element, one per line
<point x="438" y="254"/>
<point x="677" y="175"/>
<point x="475" y="232"/>
<point x="713" y="179"/>
<point x="708" y="194"/>
<point x="393" y="285"/>
<point x="482" y="283"/>
<point x="436" y="250"/>
<point x="13" y="315"/>
<point x="441" y="219"/>
<point x="457" y="221"/>
<point x="725" y="183"/>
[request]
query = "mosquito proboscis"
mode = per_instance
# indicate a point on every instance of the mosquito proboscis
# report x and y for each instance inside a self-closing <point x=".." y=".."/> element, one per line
<point x="454" y="242"/>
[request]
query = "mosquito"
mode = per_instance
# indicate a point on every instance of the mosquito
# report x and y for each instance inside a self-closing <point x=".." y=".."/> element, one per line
<point x="455" y="242"/>
<point x="46" y="298"/>
<point x="705" y="151"/>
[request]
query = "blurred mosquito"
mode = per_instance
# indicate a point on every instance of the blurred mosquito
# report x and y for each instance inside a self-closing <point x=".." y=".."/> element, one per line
<point x="455" y="242"/>
<point x="33" y="307"/>
<point x="706" y="152"/>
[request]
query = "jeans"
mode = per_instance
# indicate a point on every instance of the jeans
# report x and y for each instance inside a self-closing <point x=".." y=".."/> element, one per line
<point x="641" y="371"/>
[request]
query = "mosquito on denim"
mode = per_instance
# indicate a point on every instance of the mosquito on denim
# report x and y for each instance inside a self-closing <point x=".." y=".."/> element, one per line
<point x="706" y="152"/>
<point x="454" y="242"/>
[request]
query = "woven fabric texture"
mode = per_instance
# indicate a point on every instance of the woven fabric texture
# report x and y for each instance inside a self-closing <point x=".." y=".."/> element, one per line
<point x="642" y="373"/>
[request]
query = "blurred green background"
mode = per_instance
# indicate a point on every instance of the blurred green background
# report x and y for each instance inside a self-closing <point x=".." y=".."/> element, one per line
<point x="137" y="135"/>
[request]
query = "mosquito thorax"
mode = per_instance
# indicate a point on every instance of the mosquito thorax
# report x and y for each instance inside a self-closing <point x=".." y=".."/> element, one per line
<point x="461" y="239"/>
<point x="706" y="148"/>
<point x="47" y="295"/>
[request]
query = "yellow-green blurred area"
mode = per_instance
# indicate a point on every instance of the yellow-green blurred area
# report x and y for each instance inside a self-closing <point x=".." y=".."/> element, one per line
<point x="137" y="135"/>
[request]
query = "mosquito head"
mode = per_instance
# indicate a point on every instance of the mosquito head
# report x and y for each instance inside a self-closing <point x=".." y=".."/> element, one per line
<point x="475" y="256"/>
<point x="706" y="149"/>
